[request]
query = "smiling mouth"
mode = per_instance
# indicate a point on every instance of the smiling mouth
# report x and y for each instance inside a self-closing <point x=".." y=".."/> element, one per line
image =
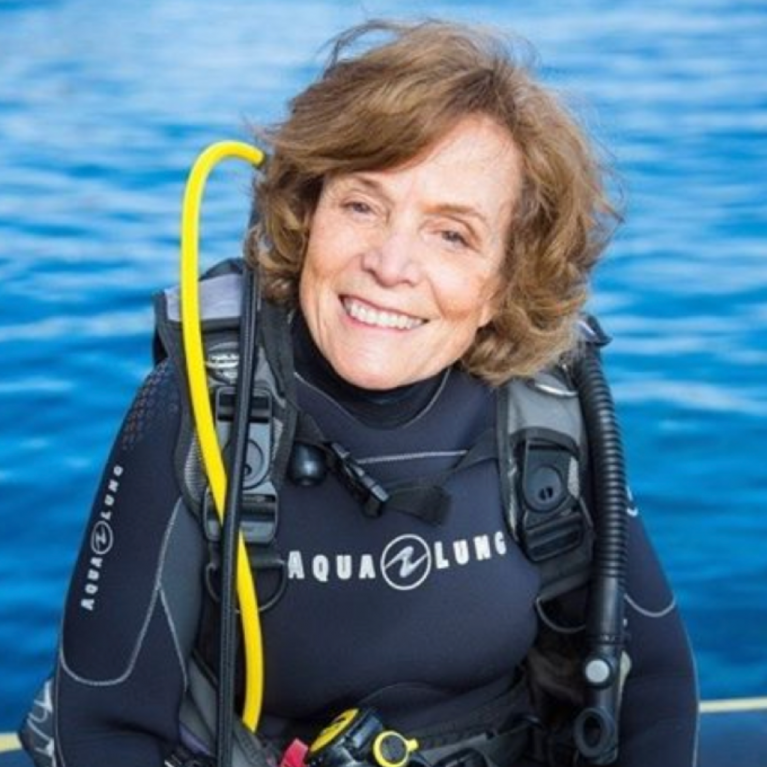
<point x="379" y="318"/>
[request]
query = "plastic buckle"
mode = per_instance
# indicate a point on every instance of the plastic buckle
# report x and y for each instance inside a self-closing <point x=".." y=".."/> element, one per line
<point x="258" y="520"/>
<point x="259" y="516"/>
<point x="357" y="481"/>
<point x="545" y="468"/>
<point x="553" y="537"/>
<point x="552" y="520"/>
<point x="259" y="497"/>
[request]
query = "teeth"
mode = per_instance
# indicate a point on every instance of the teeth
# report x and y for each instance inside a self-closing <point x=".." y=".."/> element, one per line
<point x="380" y="319"/>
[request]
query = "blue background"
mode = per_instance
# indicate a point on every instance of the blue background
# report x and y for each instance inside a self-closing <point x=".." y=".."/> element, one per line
<point x="103" y="108"/>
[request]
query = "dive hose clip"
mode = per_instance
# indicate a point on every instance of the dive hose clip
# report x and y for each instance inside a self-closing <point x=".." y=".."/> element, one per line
<point x="356" y="480"/>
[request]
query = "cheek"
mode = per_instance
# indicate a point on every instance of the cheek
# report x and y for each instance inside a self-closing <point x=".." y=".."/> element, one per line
<point x="317" y="264"/>
<point x="467" y="298"/>
<point x="327" y="249"/>
<point x="310" y="281"/>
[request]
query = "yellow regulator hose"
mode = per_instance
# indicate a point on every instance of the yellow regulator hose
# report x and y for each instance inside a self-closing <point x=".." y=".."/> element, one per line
<point x="201" y="407"/>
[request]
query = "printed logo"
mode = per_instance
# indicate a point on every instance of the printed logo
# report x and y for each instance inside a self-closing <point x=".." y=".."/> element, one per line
<point x="223" y="361"/>
<point x="102" y="538"/>
<point x="39" y="727"/>
<point x="406" y="562"/>
<point x="102" y="541"/>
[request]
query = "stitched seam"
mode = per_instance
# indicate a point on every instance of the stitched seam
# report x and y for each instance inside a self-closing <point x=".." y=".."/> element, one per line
<point x="145" y="627"/>
<point x="559" y="629"/>
<point x="697" y="698"/>
<point x="437" y="394"/>
<point x="412" y="456"/>
<point x="174" y="635"/>
<point x="662" y="613"/>
<point x="58" y="751"/>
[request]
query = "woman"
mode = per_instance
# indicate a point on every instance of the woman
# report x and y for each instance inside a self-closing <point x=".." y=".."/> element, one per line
<point x="429" y="218"/>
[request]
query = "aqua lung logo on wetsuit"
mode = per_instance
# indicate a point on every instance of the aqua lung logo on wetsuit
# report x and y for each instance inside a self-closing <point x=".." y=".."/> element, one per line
<point x="101" y="542"/>
<point x="405" y="563"/>
<point x="102" y="538"/>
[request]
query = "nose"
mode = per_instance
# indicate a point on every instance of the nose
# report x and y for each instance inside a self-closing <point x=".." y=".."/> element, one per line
<point x="393" y="259"/>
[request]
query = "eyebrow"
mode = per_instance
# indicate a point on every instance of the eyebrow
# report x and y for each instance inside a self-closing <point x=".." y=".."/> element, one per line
<point x="467" y="211"/>
<point x="445" y="208"/>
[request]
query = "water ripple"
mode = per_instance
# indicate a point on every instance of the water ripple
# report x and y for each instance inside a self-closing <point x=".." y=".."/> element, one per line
<point x="103" y="108"/>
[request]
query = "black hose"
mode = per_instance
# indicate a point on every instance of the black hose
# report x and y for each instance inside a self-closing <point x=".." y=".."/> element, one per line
<point x="237" y="451"/>
<point x="596" y="728"/>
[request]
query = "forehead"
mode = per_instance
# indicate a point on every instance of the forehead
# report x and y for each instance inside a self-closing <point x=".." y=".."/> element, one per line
<point x="474" y="164"/>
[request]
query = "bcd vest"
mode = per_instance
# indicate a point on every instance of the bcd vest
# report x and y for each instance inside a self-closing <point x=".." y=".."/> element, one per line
<point x="540" y="443"/>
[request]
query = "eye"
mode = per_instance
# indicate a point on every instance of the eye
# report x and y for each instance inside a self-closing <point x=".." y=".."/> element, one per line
<point x="455" y="238"/>
<point x="357" y="206"/>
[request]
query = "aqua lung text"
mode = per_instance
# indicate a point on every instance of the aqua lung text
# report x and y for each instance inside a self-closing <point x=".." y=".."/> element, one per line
<point x="404" y="564"/>
<point x="101" y="541"/>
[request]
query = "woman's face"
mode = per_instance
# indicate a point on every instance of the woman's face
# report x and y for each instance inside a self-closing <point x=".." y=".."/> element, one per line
<point x="403" y="266"/>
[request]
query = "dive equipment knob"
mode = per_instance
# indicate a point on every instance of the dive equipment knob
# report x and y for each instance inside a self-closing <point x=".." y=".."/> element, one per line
<point x="598" y="671"/>
<point x="357" y="738"/>
<point x="391" y="749"/>
<point x="307" y="466"/>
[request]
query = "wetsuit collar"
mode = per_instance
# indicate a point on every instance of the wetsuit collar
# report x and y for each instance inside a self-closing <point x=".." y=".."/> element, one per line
<point x="386" y="408"/>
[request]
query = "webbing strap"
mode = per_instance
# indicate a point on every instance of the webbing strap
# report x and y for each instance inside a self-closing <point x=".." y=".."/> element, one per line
<point x="425" y="499"/>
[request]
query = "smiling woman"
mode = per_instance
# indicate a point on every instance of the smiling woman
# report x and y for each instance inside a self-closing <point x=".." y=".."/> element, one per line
<point x="426" y="461"/>
<point x="529" y="166"/>
<point x="403" y="266"/>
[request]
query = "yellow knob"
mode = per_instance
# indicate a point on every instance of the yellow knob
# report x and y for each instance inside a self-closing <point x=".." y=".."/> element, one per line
<point x="391" y="749"/>
<point x="334" y="729"/>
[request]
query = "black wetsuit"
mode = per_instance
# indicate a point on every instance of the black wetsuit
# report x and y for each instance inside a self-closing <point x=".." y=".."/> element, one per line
<point x="422" y="621"/>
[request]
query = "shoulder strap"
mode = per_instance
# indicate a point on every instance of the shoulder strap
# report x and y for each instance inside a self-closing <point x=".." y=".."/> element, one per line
<point x="543" y="459"/>
<point x="273" y="411"/>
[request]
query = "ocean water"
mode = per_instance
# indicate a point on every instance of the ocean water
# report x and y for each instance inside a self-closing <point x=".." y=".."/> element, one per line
<point x="103" y="108"/>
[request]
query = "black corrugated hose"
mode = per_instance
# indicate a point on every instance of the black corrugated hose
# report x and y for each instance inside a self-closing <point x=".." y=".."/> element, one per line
<point x="596" y="728"/>
<point x="237" y="450"/>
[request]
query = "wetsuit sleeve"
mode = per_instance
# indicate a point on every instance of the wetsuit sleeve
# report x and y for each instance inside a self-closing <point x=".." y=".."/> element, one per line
<point x="660" y="704"/>
<point x="133" y="602"/>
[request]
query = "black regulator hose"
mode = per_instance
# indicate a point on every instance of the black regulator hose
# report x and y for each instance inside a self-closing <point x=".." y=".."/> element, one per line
<point x="237" y="452"/>
<point x="596" y="727"/>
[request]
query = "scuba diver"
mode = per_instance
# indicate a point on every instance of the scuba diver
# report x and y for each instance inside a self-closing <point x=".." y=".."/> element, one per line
<point x="422" y="548"/>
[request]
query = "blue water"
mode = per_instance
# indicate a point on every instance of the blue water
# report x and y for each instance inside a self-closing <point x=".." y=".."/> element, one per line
<point x="104" y="106"/>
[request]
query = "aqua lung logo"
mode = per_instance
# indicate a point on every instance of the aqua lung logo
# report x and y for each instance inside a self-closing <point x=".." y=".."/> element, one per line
<point x="102" y="538"/>
<point x="101" y="542"/>
<point x="222" y="362"/>
<point x="405" y="563"/>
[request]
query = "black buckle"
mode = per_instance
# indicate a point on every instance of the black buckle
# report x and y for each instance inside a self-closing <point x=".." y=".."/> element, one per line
<point x="258" y="518"/>
<point x="556" y="536"/>
<point x="545" y="468"/>
<point x="258" y="521"/>
<point x="267" y="559"/>
<point x="552" y="520"/>
<point x="356" y="480"/>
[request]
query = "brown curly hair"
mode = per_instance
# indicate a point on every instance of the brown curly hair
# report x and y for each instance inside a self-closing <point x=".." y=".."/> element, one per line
<point x="381" y="106"/>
